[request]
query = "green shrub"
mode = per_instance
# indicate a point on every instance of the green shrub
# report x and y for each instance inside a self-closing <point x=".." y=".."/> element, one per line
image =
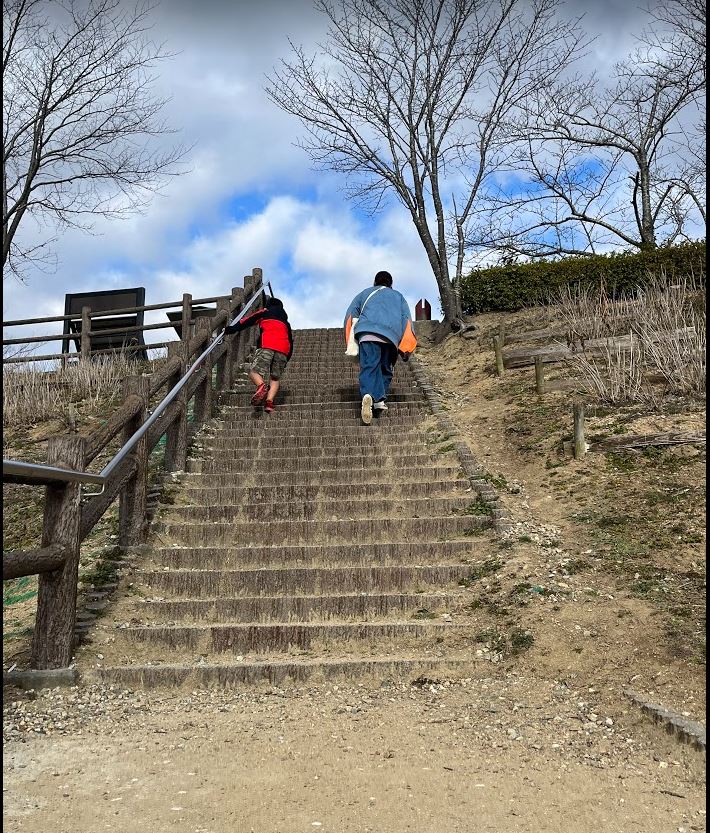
<point x="522" y="285"/>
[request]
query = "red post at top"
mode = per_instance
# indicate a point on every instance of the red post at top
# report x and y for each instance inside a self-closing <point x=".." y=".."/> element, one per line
<point x="422" y="311"/>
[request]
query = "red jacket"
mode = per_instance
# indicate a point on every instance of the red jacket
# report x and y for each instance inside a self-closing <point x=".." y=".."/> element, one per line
<point x="275" y="330"/>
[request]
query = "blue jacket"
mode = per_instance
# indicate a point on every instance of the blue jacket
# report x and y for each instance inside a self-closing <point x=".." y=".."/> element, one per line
<point x="386" y="314"/>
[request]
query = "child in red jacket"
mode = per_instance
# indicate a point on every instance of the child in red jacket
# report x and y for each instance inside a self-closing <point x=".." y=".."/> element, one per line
<point x="274" y="349"/>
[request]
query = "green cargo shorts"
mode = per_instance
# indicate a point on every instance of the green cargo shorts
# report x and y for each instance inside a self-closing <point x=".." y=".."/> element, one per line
<point x="269" y="364"/>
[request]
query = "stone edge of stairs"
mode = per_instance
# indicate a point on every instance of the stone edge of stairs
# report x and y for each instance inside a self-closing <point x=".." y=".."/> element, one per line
<point x="502" y="522"/>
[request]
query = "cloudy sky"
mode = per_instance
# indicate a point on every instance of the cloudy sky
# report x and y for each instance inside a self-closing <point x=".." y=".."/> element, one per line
<point x="250" y="197"/>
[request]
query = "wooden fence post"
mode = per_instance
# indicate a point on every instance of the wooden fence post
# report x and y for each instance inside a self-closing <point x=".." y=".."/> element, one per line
<point x="223" y="305"/>
<point x="248" y="337"/>
<point x="234" y="341"/>
<point x="257" y="276"/>
<point x="203" y="394"/>
<point x="539" y="375"/>
<point x="185" y="328"/>
<point x="498" y="347"/>
<point x="176" y="438"/>
<point x="580" y="447"/>
<point x="53" y="637"/>
<point x="132" y="501"/>
<point x="85" y="333"/>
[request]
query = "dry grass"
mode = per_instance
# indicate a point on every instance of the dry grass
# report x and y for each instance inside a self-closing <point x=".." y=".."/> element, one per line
<point x="664" y="350"/>
<point x="35" y="393"/>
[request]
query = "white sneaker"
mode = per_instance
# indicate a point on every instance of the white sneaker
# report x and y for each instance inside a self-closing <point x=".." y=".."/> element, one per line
<point x="366" y="410"/>
<point x="380" y="406"/>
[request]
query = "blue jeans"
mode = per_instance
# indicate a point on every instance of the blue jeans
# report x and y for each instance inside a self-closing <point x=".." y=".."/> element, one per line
<point x="376" y="368"/>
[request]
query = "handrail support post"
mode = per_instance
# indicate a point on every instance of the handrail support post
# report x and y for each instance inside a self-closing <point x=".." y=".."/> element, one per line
<point x="133" y="498"/>
<point x="53" y="637"/>
<point x="176" y="439"/>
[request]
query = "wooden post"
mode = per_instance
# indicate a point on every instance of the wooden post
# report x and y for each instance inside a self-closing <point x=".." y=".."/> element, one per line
<point x="223" y="305"/>
<point x="580" y="447"/>
<point x="257" y="275"/>
<point x="85" y="333"/>
<point x="203" y="394"/>
<point x="53" y="638"/>
<point x="185" y="328"/>
<point x="539" y="375"/>
<point x="498" y="347"/>
<point x="501" y="333"/>
<point x="248" y="337"/>
<point x="234" y="342"/>
<point x="176" y="439"/>
<point x="132" y="501"/>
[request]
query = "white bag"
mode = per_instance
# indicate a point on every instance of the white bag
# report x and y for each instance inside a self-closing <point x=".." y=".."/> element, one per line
<point x="353" y="348"/>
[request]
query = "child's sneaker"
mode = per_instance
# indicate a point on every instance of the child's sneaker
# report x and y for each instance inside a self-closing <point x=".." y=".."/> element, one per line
<point x="366" y="409"/>
<point x="380" y="406"/>
<point x="259" y="395"/>
<point x="269" y="406"/>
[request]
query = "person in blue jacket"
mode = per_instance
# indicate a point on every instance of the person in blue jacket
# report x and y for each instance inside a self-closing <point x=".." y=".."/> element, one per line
<point x="383" y="332"/>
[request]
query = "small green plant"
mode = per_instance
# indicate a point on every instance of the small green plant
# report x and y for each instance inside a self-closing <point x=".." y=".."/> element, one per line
<point x="521" y="587"/>
<point x="487" y="568"/>
<point x="520" y="641"/>
<point x="492" y="637"/>
<point x="576" y="565"/>
<point x="423" y="613"/>
<point x="620" y="461"/>
<point x="477" y="507"/>
<point x="496" y="480"/>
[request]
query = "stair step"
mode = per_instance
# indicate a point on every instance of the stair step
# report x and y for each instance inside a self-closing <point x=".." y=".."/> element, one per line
<point x="276" y="673"/>
<point x="318" y="417"/>
<point x="344" y="509"/>
<point x="411" y="474"/>
<point x="342" y="531"/>
<point x="275" y="637"/>
<point x="326" y="399"/>
<point x="283" y="445"/>
<point x="349" y="459"/>
<point x="310" y="555"/>
<point x="265" y="429"/>
<point x="302" y="580"/>
<point x="218" y="495"/>
<point x="293" y="608"/>
<point x="352" y="405"/>
<point x="265" y="451"/>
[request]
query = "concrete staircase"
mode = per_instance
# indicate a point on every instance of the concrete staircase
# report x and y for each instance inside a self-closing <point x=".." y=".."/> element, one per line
<point x="303" y="544"/>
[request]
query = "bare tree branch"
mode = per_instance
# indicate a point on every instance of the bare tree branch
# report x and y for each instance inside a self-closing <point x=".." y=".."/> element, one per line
<point x="413" y="98"/>
<point x="78" y="116"/>
<point x="610" y="165"/>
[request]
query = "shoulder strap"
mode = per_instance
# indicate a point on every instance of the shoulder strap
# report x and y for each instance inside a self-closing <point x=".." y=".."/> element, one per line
<point x="370" y="296"/>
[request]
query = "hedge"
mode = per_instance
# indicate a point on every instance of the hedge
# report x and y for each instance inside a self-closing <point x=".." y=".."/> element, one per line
<point x="527" y="284"/>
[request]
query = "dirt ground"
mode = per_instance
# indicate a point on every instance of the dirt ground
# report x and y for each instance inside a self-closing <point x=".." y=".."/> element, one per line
<point x="493" y="753"/>
<point x="605" y="563"/>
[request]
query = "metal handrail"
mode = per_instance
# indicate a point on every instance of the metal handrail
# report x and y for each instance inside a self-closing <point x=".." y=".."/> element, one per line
<point x="43" y="473"/>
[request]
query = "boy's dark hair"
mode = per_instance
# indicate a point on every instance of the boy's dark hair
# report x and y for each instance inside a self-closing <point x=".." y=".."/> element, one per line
<point x="273" y="302"/>
<point x="383" y="279"/>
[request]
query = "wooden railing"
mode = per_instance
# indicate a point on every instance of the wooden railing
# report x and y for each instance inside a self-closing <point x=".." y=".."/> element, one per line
<point x="67" y="521"/>
<point x="83" y="336"/>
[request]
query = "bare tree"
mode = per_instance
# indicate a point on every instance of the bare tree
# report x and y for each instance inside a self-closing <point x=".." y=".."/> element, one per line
<point x="609" y="166"/>
<point x="411" y="98"/>
<point x="79" y="117"/>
